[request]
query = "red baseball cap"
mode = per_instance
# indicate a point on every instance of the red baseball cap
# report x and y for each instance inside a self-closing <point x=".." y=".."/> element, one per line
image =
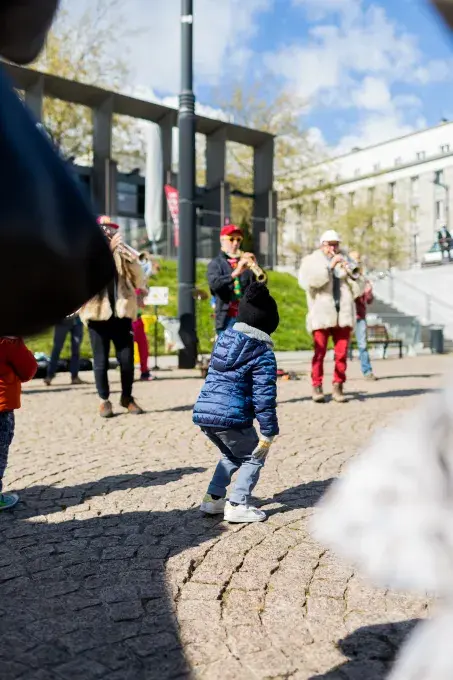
<point x="107" y="222"/>
<point x="230" y="229"/>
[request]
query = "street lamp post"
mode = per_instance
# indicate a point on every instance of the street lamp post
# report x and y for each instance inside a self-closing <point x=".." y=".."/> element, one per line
<point x="186" y="187"/>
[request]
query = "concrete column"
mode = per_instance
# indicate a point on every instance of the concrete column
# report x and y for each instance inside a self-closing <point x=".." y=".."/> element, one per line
<point x="166" y="132"/>
<point x="263" y="180"/>
<point x="102" y="184"/>
<point x="34" y="97"/>
<point x="215" y="158"/>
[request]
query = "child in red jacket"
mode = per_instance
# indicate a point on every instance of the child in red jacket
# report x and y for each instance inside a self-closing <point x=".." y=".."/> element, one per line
<point x="17" y="365"/>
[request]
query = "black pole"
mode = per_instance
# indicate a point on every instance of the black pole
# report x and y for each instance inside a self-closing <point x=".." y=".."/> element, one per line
<point x="186" y="187"/>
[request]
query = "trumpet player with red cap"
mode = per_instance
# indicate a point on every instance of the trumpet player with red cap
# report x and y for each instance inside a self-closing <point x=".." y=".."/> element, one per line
<point x="229" y="276"/>
<point x="109" y="316"/>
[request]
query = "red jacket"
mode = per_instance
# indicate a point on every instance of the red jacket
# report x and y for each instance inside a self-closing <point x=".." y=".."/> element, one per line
<point x="17" y="365"/>
<point x="361" y="304"/>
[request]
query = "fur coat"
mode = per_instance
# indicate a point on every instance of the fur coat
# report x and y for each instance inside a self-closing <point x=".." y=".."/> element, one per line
<point x="130" y="278"/>
<point x="391" y="514"/>
<point x="316" y="278"/>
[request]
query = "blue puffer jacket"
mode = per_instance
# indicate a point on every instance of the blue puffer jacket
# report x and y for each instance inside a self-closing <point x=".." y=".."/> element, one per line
<point x="241" y="383"/>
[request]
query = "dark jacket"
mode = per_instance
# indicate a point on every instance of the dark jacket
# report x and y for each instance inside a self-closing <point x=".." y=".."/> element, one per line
<point x="361" y="304"/>
<point x="222" y="286"/>
<point x="241" y="383"/>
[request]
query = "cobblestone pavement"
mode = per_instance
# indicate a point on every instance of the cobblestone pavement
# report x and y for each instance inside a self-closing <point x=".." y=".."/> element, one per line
<point x="108" y="570"/>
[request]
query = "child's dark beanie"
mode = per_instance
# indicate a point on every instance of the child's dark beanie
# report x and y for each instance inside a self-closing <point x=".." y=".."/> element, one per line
<point x="258" y="309"/>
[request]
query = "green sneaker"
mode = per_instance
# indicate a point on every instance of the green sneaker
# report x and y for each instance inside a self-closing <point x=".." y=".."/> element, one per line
<point x="8" y="500"/>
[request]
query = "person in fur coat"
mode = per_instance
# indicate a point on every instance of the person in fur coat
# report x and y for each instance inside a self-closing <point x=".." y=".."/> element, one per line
<point x="331" y="295"/>
<point x="391" y="514"/>
<point x="109" y="316"/>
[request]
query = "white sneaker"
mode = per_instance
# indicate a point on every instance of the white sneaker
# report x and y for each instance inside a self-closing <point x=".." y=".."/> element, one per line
<point x="212" y="506"/>
<point x="243" y="513"/>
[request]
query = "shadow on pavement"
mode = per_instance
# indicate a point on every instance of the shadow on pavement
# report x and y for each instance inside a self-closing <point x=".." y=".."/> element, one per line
<point x="372" y="651"/>
<point x="44" y="500"/>
<point x="88" y="598"/>
<point x="414" y="392"/>
<point x="302" y="496"/>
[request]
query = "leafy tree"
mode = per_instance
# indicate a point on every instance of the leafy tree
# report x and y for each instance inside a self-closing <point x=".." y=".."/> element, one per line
<point x="257" y="107"/>
<point x="79" y="47"/>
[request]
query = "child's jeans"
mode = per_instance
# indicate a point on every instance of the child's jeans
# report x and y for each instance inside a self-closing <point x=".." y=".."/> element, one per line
<point x="6" y="437"/>
<point x="236" y="447"/>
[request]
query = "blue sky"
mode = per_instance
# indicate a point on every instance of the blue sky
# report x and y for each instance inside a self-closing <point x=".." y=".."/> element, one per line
<point x="367" y="70"/>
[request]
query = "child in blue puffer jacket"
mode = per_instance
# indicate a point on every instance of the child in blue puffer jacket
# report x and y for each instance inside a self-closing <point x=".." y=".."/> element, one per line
<point x="241" y="385"/>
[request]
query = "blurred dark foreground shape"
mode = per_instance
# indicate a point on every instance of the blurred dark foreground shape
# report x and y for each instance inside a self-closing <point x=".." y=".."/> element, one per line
<point x="54" y="256"/>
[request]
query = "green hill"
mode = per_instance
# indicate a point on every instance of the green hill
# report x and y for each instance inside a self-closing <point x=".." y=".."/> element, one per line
<point x="290" y="336"/>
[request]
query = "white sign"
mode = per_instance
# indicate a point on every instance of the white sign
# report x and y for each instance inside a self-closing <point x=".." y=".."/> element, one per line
<point x="157" y="296"/>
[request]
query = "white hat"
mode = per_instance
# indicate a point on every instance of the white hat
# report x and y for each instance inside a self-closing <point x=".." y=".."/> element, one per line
<point x="330" y="235"/>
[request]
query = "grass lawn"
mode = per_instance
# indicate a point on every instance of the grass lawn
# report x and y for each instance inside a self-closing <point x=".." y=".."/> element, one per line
<point x="290" y="336"/>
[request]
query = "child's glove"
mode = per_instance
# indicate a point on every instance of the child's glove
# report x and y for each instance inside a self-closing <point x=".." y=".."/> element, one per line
<point x="263" y="447"/>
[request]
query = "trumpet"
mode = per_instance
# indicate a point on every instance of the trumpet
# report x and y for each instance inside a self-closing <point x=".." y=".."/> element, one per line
<point x="254" y="267"/>
<point x="350" y="266"/>
<point x="129" y="253"/>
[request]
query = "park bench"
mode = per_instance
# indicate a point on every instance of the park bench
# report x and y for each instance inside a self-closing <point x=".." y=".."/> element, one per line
<point x="378" y="335"/>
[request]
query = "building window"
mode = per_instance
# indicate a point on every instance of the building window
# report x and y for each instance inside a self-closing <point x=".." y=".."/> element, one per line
<point x="398" y="161"/>
<point x="415" y="185"/>
<point x="439" y="177"/>
<point x="370" y="195"/>
<point x="351" y="199"/>
<point x="357" y="172"/>
<point x="127" y="197"/>
<point x="315" y="209"/>
<point x="376" y="167"/>
<point x="414" y="217"/>
<point x="421" y="155"/>
<point x="439" y="210"/>
<point x="392" y="189"/>
<point x="445" y="148"/>
<point x="333" y="203"/>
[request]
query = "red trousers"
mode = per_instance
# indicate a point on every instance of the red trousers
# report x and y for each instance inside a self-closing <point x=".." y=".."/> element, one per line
<point x="340" y="338"/>
<point x="142" y="343"/>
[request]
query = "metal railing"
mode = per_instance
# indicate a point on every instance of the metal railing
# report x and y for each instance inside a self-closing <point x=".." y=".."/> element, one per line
<point x="207" y="235"/>
<point x="428" y="302"/>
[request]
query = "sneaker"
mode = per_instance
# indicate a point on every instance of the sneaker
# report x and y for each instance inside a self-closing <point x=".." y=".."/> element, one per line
<point x="105" y="409"/>
<point x="47" y="382"/>
<point x="370" y="377"/>
<point x="131" y="406"/>
<point x="239" y="514"/>
<point x="318" y="395"/>
<point x="337" y="393"/>
<point x="212" y="506"/>
<point x="8" y="500"/>
<point x="146" y="377"/>
<point x="78" y="381"/>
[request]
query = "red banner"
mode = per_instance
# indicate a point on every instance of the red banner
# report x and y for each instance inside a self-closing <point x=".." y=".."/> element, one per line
<point x="172" y="195"/>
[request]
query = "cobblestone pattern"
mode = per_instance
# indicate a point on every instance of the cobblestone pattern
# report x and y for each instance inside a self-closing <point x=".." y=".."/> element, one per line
<point x="108" y="570"/>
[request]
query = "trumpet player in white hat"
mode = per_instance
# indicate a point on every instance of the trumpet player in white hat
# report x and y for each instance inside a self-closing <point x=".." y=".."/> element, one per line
<point x="332" y="286"/>
<point x="109" y="316"/>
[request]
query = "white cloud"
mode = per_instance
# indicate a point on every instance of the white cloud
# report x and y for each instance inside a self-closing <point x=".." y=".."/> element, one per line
<point x="222" y="32"/>
<point x="331" y="63"/>
<point x="222" y="29"/>
<point x="373" y="94"/>
<point x="319" y="9"/>
<point x="377" y="127"/>
<point x="356" y="57"/>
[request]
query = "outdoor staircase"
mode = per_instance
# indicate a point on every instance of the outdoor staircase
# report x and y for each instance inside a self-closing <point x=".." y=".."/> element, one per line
<point x="408" y="328"/>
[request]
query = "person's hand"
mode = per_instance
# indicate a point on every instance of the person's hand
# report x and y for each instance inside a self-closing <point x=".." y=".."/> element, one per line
<point x="240" y="267"/>
<point x="115" y="241"/>
<point x="368" y="287"/>
<point x="336" y="260"/>
<point x="262" y="449"/>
